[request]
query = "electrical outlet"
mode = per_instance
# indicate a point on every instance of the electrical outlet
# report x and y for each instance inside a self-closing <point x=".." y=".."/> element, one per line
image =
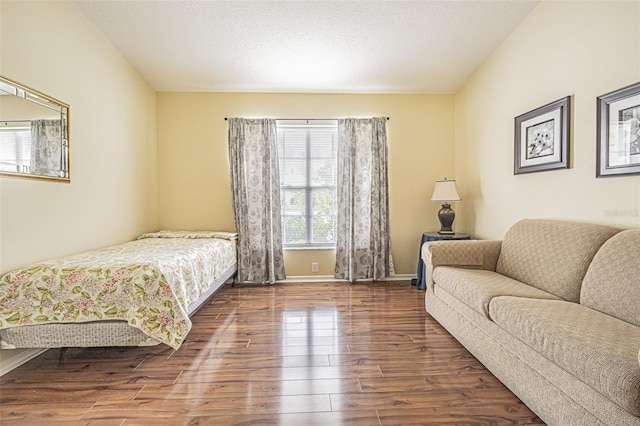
<point x="314" y="266"/>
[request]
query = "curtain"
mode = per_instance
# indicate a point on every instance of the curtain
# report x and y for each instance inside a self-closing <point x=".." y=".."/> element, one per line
<point x="363" y="244"/>
<point x="46" y="147"/>
<point x="255" y="185"/>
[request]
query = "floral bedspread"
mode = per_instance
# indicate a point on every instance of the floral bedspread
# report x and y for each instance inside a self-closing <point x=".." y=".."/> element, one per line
<point x="149" y="283"/>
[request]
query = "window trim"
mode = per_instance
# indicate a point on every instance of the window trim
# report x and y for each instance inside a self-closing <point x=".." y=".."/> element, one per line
<point x="308" y="216"/>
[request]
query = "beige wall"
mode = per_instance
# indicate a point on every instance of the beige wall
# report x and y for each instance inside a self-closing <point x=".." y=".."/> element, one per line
<point x="112" y="197"/>
<point x="582" y="49"/>
<point x="194" y="187"/>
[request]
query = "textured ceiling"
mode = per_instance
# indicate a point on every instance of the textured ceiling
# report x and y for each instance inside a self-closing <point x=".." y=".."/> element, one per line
<point x="307" y="46"/>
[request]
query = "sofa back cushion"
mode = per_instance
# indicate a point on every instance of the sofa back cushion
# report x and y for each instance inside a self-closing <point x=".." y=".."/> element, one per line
<point x="551" y="255"/>
<point x="612" y="283"/>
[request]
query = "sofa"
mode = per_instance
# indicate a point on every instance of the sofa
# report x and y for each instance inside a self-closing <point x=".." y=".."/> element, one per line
<point x="552" y="310"/>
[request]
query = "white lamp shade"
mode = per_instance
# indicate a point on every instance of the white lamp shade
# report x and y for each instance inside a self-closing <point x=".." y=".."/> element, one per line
<point x="445" y="190"/>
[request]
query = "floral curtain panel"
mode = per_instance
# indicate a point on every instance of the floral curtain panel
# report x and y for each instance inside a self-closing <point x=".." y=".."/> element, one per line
<point x="255" y="185"/>
<point x="363" y="247"/>
<point x="46" y="148"/>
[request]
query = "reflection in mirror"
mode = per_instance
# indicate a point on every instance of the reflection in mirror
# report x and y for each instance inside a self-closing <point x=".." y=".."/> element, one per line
<point x="34" y="136"/>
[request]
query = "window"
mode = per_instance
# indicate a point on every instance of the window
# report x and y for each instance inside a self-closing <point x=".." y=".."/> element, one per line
<point x="308" y="163"/>
<point x="15" y="147"/>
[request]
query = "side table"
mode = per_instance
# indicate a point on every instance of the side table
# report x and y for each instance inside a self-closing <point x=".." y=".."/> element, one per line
<point x="432" y="236"/>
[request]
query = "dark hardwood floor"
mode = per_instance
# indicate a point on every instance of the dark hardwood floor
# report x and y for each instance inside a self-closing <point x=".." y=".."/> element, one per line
<point x="290" y="354"/>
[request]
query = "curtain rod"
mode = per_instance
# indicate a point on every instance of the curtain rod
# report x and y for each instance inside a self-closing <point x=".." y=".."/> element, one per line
<point x="303" y="119"/>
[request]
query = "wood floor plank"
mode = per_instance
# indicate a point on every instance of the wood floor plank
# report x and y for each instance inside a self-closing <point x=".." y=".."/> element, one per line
<point x="210" y="405"/>
<point x="433" y="398"/>
<point x="510" y="414"/>
<point x="421" y="384"/>
<point x="400" y="359"/>
<point x="97" y="377"/>
<point x="69" y="392"/>
<point x="243" y="387"/>
<point x="227" y="360"/>
<point x="290" y="354"/>
<point x="307" y="350"/>
<point x="40" y="413"/>
<point x="352" y="418"/>
<point x="200" y="375"/>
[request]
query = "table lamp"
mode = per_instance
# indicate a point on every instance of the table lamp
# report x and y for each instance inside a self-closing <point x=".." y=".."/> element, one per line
<point x="445" y="191"/>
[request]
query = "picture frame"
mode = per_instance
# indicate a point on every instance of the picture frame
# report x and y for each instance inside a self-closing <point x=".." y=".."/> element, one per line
<point x="542" y="138"/>
<point x="618" y="132"/>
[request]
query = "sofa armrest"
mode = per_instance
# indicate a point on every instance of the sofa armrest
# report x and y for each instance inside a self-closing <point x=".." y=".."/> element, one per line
<point x="472" y="254"/>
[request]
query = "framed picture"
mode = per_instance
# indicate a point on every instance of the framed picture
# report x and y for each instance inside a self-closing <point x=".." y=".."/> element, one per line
<point x="619" y="132"/>
<point x="542" y="138"/>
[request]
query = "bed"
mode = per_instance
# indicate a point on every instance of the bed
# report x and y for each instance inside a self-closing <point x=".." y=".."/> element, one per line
<point x="139" y="293"/>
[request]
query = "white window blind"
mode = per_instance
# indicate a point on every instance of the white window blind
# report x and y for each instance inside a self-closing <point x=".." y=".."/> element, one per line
<point x="15" y="148"/>
<point x="308" y="162"/>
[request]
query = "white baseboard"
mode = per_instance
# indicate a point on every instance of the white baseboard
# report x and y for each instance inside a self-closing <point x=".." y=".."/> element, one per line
<point x="17" y="360"/>
<point x="331" y="279"/>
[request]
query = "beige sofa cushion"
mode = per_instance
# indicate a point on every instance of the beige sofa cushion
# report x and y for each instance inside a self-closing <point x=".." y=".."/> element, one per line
<point x="551" y="255"/>
<point x="470" y="254"/>
<point x="600" y="350"/>
<point x="475" y="287"/>
<point x="612" y="283"/>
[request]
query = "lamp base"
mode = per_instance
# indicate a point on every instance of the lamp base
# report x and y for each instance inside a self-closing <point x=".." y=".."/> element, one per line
<point x="446" y="216"/>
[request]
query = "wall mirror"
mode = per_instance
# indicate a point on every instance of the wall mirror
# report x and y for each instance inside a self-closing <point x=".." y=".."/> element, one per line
<point x="34" y="133"/>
